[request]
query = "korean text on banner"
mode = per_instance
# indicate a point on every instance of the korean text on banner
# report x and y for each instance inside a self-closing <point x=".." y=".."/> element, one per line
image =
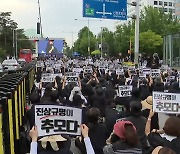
<point x="166" y="102"/>
<point x="55" y="119"/>
<point x="125" y="91"/>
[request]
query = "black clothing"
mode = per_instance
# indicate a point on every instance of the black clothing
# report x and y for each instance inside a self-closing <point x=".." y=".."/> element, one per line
<point x="144" y="90"/>
<point x="140" y="123"/>
<point x="156" y="140"/>
<point x="158" y="87"/>
<point x="98" y="136"/>
<point x="154" y="119"/>
<point x="111" y="115"/>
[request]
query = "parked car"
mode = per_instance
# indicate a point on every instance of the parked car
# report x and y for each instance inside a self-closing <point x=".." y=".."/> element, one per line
<point x="10" y="64"/>
<point x="21" y="62"/>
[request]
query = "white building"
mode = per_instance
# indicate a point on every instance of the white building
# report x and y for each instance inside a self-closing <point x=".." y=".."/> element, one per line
<point x="177" y="8"/>
<point x="165" y="5"/>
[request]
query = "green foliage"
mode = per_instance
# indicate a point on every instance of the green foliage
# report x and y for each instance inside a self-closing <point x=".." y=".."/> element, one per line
<point x="123" y="34"/>
<point x="149" y="42"/>
<point x="81" y="44"/>
<point x="158" y="22"/>
<point x="108" y="41"/>
<point x="7" y="25"/>
<point x="2" y="54"/>
<point x="154" y="24"/>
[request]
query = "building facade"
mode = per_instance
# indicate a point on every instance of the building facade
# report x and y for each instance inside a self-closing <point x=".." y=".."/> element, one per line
<point x="165" y="5"/>
<point x="177" y="8"/>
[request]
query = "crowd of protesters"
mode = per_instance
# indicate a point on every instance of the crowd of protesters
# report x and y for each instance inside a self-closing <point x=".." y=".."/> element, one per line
<point x="110" y="124"/>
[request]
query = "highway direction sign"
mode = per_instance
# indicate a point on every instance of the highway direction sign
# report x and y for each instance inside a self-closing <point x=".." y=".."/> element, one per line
<point x="107" y="9"/>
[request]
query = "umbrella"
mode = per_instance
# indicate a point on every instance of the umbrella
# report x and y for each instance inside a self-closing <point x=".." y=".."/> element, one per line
<point x="96" y="52"/>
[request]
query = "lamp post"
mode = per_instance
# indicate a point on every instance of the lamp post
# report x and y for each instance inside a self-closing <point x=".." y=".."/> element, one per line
<point x="15" y="43"/>
<point x="40" y="19"/>
<point x="101" y="41"/>
<point x="89" y="39"/>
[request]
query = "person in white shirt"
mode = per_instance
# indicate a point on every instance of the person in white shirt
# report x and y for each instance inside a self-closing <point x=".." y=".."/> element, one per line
<point x="34" y="136"/>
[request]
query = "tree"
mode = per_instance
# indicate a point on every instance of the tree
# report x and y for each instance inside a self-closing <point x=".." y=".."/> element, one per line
<point x="108" y="41"/>
<point x="150" y="42"/>
<point x="123" y="34"/>
<point x="157" y="21"/>
<point x="81" y="44"/>
<point x="7" y="26"/>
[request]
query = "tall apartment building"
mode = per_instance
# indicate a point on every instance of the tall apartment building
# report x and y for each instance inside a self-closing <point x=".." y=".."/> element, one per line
<point x="177" y="8"/>
<point x="164" y="5"/>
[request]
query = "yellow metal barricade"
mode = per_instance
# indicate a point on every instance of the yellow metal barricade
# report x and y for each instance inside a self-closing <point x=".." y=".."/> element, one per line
<point x="22" y="97"/>
<point x="11" y="133"/>
<point x="20" y="105"/>
<point x="16" y="114"/>
<point x="24" y="90"/>
<point x="1" y="134"/>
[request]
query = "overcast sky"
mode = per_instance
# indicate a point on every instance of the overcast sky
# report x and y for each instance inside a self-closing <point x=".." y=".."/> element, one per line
<point x="57" y="17"/>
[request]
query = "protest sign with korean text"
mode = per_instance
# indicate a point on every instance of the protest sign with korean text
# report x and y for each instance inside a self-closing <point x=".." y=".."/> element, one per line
<point x="77" y="70"/>
<point x="166" y="102"/>
<point x="146" y="71"/>
<point x="125" y="91"/>
<point x="155" y="73"/>
<point x="71" y="77"/>
<point x="119" y="71"/>
<point x="47" y="77"/>
<point x="55" y="119"/>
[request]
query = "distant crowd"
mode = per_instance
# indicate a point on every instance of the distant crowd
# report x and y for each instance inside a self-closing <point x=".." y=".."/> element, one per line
<point x="116" y="99"/>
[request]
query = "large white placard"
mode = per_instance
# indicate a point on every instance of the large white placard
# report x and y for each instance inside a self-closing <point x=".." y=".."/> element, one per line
<point x="125" y="91"/>
<point x="166" y="102"/>
<point x="55" y="119"/>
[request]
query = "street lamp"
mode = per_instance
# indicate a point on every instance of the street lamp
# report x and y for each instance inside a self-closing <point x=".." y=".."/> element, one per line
<point x="40" y="20"/>
<point x="89" y="45"/>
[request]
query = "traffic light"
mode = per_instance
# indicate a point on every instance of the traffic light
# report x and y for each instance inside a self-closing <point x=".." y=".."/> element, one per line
<point x="38" y="28"/>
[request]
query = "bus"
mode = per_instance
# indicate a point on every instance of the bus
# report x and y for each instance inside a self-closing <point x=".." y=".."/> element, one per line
<point x="26" y="54"/>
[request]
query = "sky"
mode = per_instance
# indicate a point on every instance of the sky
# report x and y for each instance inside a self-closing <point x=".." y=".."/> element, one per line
<point x="58" y="17"/>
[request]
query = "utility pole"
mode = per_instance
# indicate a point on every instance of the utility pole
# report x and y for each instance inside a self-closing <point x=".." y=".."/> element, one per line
<point x="136" y="53"/>
<point x="89" y="47"/>
<point x="101" y="41"/>
<point x="16" y="44"/>
<point x="40" y="19"/>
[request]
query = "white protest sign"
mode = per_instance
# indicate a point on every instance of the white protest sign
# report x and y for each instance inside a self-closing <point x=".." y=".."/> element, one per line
<point x="54" y="119"/>
<point x="40" y="64"/>
<point x="146" y="71"/>
<point x="125" y="91"/>
<point x="47" y="77"/>
<point x="119" y="71"/>
<point x="77" y="70"/>
<point x="71" y="79"/>
<point x="142" y="76"/>
<point x="88" y="70"/>
<point x="166" y="102"/>
<point x="155" y="73"/>
<point x="58" y="74"/>
<point x="71" y="74"/>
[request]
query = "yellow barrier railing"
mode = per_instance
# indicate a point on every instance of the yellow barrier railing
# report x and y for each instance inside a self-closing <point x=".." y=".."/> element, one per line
<point x="1" y="134"/>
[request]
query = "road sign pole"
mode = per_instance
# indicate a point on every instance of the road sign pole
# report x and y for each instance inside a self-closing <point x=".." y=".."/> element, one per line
<point x="101" y="41"/>
<point x="89" y="40"/>
<point x="136" y="53"/>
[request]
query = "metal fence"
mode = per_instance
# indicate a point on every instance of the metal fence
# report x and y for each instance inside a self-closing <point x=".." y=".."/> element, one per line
<point x="171" y="50"/>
